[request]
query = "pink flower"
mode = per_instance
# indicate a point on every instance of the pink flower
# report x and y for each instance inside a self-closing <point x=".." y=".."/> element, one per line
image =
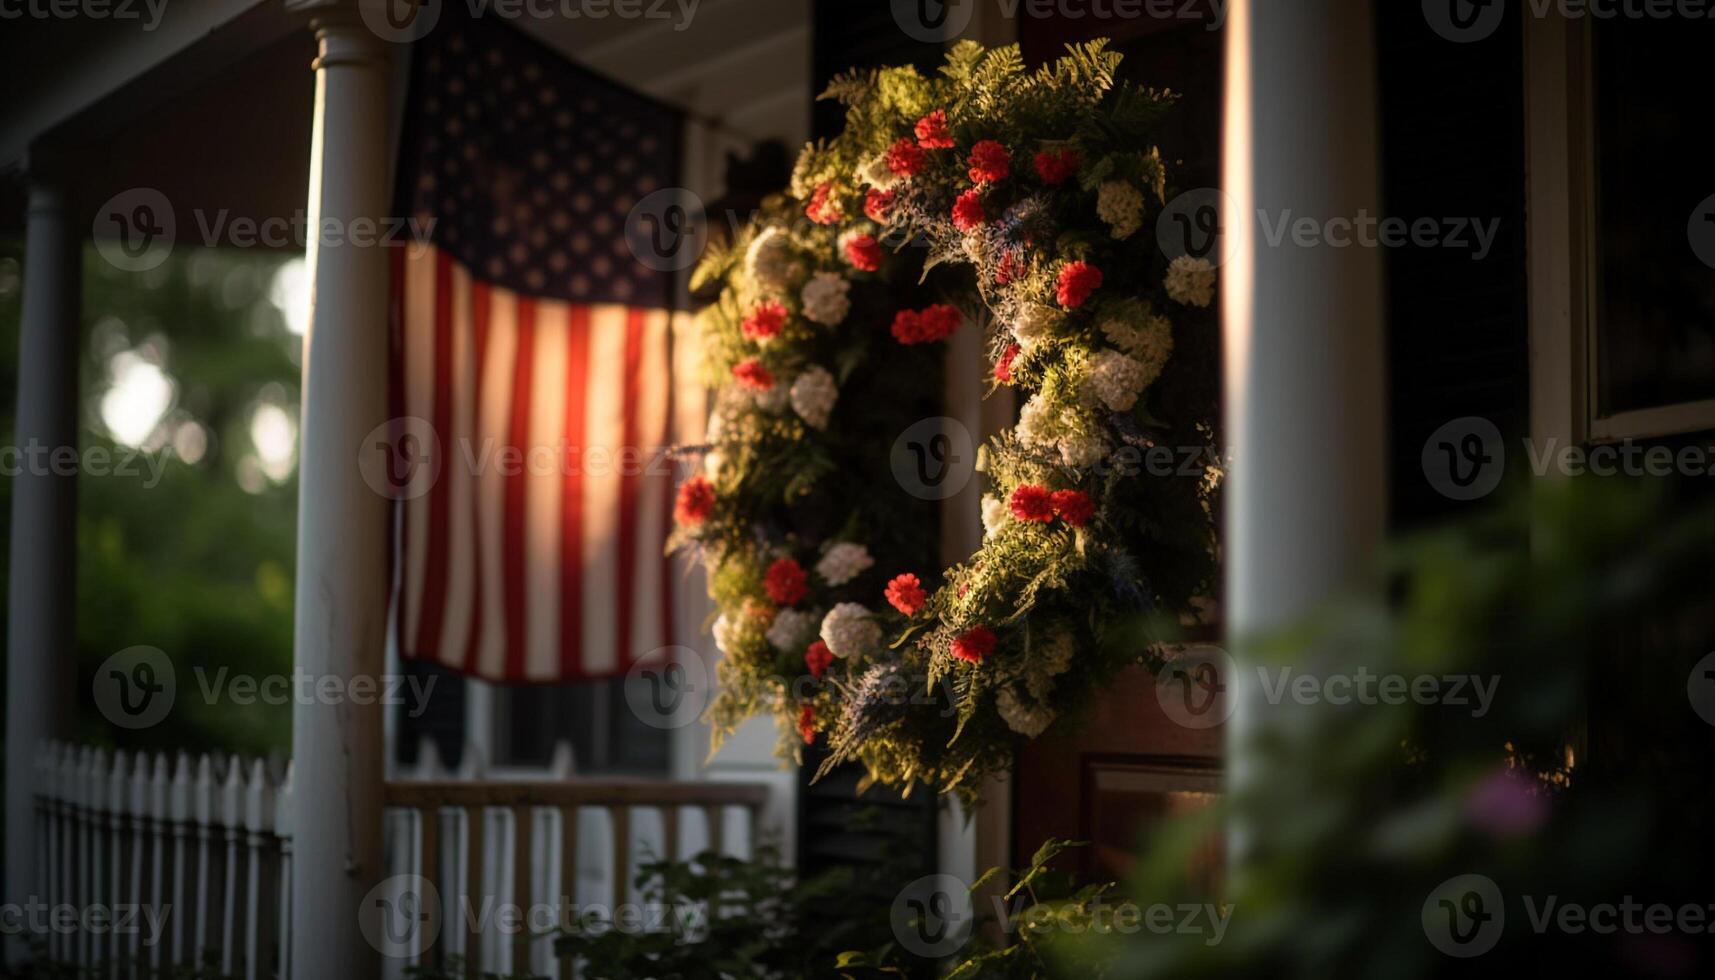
<point x="765" y="320"/>
<point x="1073" y="506"/>
<point x="823" y="209"/>
<point x="696" y="501"/>
<point x="968" y="214"/>
<point x="1077" y="281"/>
<point x="1030" y="502"/>
<point x="817" y="658"/>
<point x="974" y="644"/>
<point x="751" y="374"/>
<point x="932" y="131"/>
<point x="906" y="594"/>
<point x="905" y="158"/>
<point x="785" y="581"/>
<point x="989" y="162"/>
<point x="1056" y="166"/>
<point x="877" y="204"/>
<point x="863" y="252"/>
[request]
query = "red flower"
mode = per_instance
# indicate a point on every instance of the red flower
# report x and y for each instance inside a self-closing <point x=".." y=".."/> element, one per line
<point x="989" y="162"/>
<point x="927" y="326"/>
<point x="906" y="594"/>
<point x="1003" y="368"/>
<point x="766" y="320"/>
<point x="1077" y="281"/>
<point x="807" y="724"/>
<point x="932" y="131"/>
<point x="905" y="158"/>
<point x="785" y="581"/>
<point x="968" y="214"/>
<point x="1009" y="268"/>
<point x="1056" y="166"/>
<point x="823" y="209"/>
<point x="1073" y="507"/>
<point x="877" y="203"/>
<point x="817" y="658"/>
<point x="973" y="645"/>
<point x="696" y="501"/>
<point x="863" y="252"/>
<point x="753" y="375"/>
<point x="1032" y="503"/>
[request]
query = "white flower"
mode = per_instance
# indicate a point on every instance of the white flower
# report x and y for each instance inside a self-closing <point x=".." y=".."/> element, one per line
<point x="1191" y="281"/>
<point x="792" y="630"/>
<point x="772" y="400"/>
<point x="849" y="631"/>
<point x="1034" y="322"/>
<point x="725" y="634"/>
<point x="1149" y="343"/>
<point x="1047" y="662"/>
<point x="1082" y="451"/>
<point x="1036" y="423"/>
<point x="770" y="260"/>
<point x="995" y="514"/>
<point x="1116" y="380"/>
<point x="712" y="461"/>
<point x="844" y="562"/>
<point x="813" y="396"/>
<point x="876" y="173"/>
<point x="1120" y="205"/>
<point x="1029" y="720"/>
<point x="824" y="298"/>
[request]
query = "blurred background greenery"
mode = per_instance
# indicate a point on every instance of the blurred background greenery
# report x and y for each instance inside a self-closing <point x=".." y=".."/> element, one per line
<point x="194" y="366"/>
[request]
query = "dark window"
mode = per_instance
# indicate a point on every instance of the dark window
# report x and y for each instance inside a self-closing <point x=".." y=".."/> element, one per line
<point x="606" y="736"/>
<point x="1655" y="304"/>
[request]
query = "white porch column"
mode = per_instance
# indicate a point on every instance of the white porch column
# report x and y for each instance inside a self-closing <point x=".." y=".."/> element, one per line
<point x="1304" y="398"/>
<point x="342" y="523"/>
<point x="40" y="652"/>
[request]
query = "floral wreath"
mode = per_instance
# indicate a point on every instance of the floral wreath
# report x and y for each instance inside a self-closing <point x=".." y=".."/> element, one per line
<point x="820" y="346"/>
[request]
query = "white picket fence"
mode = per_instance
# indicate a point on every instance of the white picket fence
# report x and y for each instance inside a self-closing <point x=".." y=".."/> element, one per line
<point x="206" y="844"/>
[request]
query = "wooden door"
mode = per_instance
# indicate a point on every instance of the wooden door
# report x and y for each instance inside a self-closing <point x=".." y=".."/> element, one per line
<point x="1132" y="763"/>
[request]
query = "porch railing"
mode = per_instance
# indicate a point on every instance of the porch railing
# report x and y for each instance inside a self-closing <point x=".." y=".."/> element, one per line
<point x="204" y="846"/>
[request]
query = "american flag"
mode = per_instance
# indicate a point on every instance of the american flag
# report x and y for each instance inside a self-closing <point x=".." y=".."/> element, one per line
<point x="538" y="349"/>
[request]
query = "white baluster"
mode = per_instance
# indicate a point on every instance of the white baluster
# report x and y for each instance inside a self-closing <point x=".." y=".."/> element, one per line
<point x="179" y="816"/>
<point x="95" y="796"/>
<point x="118" y="805"/>
<point x="283" y="828"/>
<point x="259" y="826"/>
<point x="564" y="763"/>
<point x="138" y="808"/>
<point x="80" y="844"/>
<point x="48" y="803"/>
<point x="231" y="817"/>
<point x="203" y="801"/>
<point x="160" y="783"/>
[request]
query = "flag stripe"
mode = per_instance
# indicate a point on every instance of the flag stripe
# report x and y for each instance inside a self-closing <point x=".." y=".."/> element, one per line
<point x="537" y="554"/>
<point x="571" y="501"/>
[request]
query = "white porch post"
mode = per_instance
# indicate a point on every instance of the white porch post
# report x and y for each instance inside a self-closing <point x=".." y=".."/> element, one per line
<point x="342" y="524"/>
<point x="40" y="669"/>
<point x="1304" y="399"/>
